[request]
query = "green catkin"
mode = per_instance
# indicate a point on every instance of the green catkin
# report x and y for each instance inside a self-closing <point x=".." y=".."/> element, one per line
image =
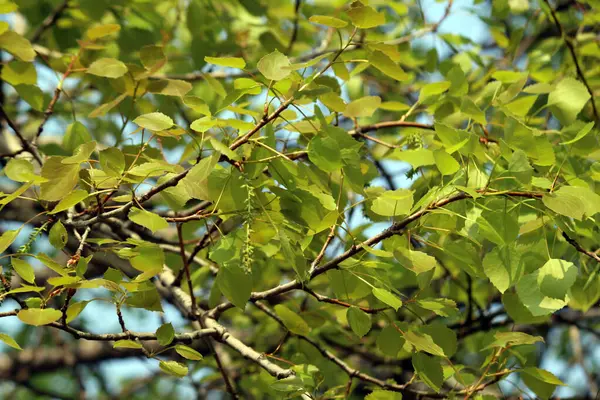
<point x="248" y="248"/>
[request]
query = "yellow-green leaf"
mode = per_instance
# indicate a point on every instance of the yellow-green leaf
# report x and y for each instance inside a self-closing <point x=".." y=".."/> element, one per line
<point x="17" y="45"/>
<point x="9" y="341"/>
<point x="188" y="353"/>
<point x="127" y="344"/>
<point x="292" y="321"/>
<point x="363" y="107"/>
<point x="99" y="31"/>
<point x="107" y="67"/>
<point x="147" y="219"/>
<point x="328" y="21"/>
<point x="365" y="17"/>
<point x="39" y="316"/>
<point x="231" y="62"/>
<point x="155" y="121"/>
<point x="7" y="238"/>
<point x="173" y="368"/>
<point x="274" y="66"/>
<point x="23" y="269"/>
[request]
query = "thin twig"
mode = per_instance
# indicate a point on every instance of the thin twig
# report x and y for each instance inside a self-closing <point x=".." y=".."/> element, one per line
<point x="49" y="21"/>
<point x="571" y="48"/>
<point x="580" y="249"/>
<point x="24" y="142"/>
<point x="295" y="28"/>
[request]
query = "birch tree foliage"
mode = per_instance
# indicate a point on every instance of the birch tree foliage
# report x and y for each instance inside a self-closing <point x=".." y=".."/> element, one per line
<point x="294" y="199"/>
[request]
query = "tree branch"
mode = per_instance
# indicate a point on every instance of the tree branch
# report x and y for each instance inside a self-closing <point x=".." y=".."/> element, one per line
<point x="49" y="21"/>
<point x="24" y="142"/>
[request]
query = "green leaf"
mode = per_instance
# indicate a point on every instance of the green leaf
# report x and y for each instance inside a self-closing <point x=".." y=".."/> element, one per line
<point x="77" y="135"/>
<point x="543" y="383"/>
<point x="7" y="238"/>
<point x="504" y="339"/>
<point x="23" y="269"/>
<point x="146" y="296"/>
<point x="433" y="89"/>
<point x="20" y="170"/>
<point x="61" y="179"/>
<point x="19" y="73"/>
<point x="103" y="109"/>
<point x="224" y="149"/>
<point x="100" y="31"/>
<point x="328" y="21"/>
<point x="363" y="107"/>
<point x="325" y="153"/>
<point x="81" y="154"/>
<point x="108" y="68"/>
<point x="359" y="321"/>
<point x="291" y="384"/>
<point x="127" y="344"/>
<point x="581" y="134"/>
<point x="165" y="334"/>
<point x="152" y="57"/>
<point x="384" y="395"/>
<point x="235" y="284"/>
<point x="58" y="236"/>
<point x="441" y="307"/>
<point x="441" y="336"/>
<point x="416" y="261"/>
<point x="445" y="163"/>
<point x="365" y="17"/>
<point x="9" y="341"/>
<point x="536" y="302"/>
<point x="32" y="95"/>
<point x="112" y="161"/>
<point x="155" y="121"/>
<point x="423" y="342"/>
<point x="75" y="309"/>
<point x="38" y="316"/>
<point x="197" y="104"/>
<point x="188" y="353"/>
<point x="147" y="219"/>
<point x="292" y="321"/>
<point x="470" y="109"/>
<point x="572" y="201"/>
<point x="203" y="124"/>
<point x="53" y="265"/>
<point x="385" y="64"/>
<point x="517" y="310"/>
<point x="70" y="200"/>
<point x="429" y="370"/>
<point x="169" y="87"/>
<point x="274" y="66"/>
<point x="17" y="45"/>
<point x="567" y="99"/>
<point x="231" y="62"/>
<point x="393" y="202"/>
<point x="416" y="158"/>
<point x="390" y="341"/>
<point x="503" y="266"/>
<point x="294" y="256"/>
<point x="388" y="298"/>
<point x="556" y="277"/>
<point x="173" y="368"/>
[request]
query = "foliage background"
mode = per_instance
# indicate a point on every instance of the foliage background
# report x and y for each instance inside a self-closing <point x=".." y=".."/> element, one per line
<point x="481" y="38"/>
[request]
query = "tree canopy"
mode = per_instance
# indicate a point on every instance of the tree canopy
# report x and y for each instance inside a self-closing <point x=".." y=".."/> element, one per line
<point x="299" y="199"/>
